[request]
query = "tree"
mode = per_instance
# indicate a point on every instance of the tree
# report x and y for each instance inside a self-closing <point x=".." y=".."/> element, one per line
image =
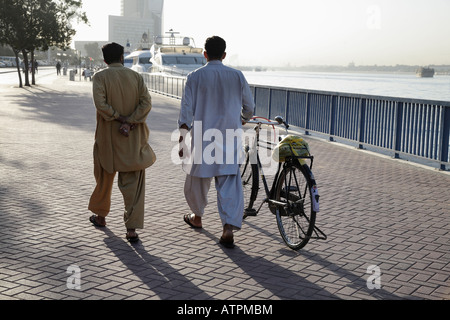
<point x="27" y="25"/>
<point x="11" y="29"/>
<point x="93" y="51"/>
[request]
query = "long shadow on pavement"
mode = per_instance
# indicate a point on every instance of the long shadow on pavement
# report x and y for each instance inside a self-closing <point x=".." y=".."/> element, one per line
<point x="357" y="282"/>
<point x="159" y="276"/>
<point x="281" y="282"/>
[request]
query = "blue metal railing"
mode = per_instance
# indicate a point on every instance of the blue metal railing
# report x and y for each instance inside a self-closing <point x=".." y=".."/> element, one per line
<point x="415" y="130"/>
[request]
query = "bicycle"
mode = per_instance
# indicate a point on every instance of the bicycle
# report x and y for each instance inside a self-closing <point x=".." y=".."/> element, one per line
<point x="293" y="197"/>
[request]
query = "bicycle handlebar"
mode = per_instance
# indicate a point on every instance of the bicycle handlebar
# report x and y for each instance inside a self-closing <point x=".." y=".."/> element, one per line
<point x="279" y="121"/>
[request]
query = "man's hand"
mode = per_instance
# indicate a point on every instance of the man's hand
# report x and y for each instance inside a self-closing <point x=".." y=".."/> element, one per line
<point x="122" y="119"/>
<point x="125" y="129"/>
<point x="183" y="131"/>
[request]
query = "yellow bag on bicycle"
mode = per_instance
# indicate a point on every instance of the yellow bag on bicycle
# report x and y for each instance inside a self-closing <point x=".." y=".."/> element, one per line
<point x="290" y="146"/>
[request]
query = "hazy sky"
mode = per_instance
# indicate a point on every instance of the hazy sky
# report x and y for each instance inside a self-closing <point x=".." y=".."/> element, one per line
<point x="305" y="32"/>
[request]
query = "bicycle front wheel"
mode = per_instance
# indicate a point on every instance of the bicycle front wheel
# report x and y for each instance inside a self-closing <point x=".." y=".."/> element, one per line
<point x="296" y="217"/>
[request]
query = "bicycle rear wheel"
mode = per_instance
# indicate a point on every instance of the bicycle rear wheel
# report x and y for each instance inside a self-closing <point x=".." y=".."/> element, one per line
<point x="250" y="181"/>
<point x="296" y="218"/>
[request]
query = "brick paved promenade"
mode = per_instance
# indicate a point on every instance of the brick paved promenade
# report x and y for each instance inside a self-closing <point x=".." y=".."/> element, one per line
<point x="375" y="211"/>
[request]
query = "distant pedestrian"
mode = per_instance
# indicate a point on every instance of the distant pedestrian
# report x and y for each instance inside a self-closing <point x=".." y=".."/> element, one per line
<point x="121" y="144"/>
<point x="58" y="68"/>
<point x="216" y="99"/>
<point x="87" y="74"/>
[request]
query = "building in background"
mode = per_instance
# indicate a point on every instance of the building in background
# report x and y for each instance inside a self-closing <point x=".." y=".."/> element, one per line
<point x="140" y="22"/>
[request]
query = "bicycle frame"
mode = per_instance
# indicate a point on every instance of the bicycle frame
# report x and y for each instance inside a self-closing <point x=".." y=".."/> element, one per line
<point x="269" y="192"/>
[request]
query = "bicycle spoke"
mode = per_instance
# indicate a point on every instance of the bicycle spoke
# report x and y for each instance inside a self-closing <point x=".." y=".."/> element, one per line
<point x="299" y="226"/>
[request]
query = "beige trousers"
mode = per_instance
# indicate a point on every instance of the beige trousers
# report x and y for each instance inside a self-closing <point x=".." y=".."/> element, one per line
<point x="230" y="197"/>
<point x="132" y="187"/>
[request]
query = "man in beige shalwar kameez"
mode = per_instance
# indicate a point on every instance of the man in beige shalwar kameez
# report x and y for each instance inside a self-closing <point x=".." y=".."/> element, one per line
<point x="121" y="144"/>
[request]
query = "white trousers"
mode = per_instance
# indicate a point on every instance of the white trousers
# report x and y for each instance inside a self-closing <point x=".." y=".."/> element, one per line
<point x="230" y="197"/>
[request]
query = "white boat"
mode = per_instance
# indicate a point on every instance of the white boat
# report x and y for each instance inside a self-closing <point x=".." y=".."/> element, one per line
<point x="176" y="56"/>
<point x="128" y="62"/>
<point x="140" y="61"/>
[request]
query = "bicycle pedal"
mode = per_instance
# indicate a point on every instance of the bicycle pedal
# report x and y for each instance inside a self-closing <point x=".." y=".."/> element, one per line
<point x="250" y="213"/>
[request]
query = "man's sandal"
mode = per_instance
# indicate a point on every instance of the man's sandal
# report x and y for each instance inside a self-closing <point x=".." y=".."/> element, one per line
<point x="227" y="243"/>
<point x="93" y="219"/>
<point x="133" y="239"/>
<point x="188" y="218"/>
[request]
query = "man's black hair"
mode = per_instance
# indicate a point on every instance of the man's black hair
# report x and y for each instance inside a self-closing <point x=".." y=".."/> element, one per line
<point x="112" y="52"/>
<point x="215" y="47"/>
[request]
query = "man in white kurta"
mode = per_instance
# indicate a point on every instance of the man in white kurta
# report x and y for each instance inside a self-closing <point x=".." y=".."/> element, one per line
<point x="216" y="101"/>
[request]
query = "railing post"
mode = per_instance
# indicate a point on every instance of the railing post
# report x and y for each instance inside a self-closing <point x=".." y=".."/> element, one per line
<point x="444" y="139"/>
<point x="165" y="86"/>
<point x="308" y="102"/>
<point x="361" y="120"/>
<point x="398" y="129"/>
<point x="286" y="110"/>
<point x="269" y="106"/>
<point x="334" y="100"/>
<point x="254" y="99"/>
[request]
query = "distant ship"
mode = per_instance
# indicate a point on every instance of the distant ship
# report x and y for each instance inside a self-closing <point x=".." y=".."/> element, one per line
<point x="425" y="72"/>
